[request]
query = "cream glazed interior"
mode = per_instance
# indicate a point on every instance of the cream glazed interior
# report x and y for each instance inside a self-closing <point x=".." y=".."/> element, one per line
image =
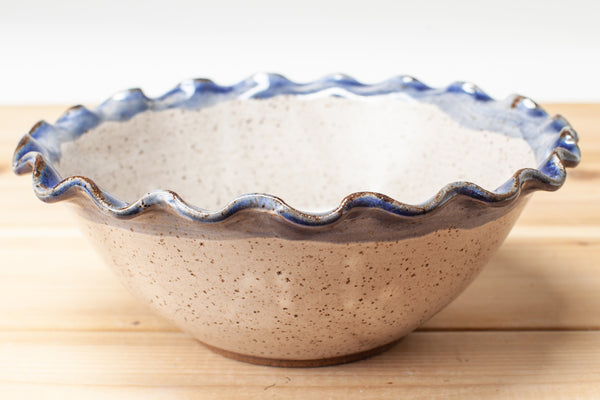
<point x="310" y="152"/>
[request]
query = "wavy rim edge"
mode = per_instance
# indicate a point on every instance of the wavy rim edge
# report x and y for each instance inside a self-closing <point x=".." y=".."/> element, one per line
<point x="42" y="144"/>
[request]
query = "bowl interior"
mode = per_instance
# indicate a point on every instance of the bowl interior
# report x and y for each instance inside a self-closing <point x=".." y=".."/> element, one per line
<point x="309" y="151"/>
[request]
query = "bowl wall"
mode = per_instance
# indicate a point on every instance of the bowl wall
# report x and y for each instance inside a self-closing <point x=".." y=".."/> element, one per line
<point x="301" y="293"/>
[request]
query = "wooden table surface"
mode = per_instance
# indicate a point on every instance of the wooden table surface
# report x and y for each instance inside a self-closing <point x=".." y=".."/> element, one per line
<point x="527" y="328"/>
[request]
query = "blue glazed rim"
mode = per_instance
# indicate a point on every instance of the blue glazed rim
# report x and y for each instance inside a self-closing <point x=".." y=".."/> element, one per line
<point x="40" y="148"/>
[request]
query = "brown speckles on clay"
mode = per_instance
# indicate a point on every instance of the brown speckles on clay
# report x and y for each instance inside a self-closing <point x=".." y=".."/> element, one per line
<point x="299" y="299"/>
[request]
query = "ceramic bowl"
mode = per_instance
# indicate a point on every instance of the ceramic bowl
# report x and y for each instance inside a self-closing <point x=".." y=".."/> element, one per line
<point x="299" y="224"/>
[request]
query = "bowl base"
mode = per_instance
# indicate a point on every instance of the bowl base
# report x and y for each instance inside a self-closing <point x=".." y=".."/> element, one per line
<point x="273" y="362"/>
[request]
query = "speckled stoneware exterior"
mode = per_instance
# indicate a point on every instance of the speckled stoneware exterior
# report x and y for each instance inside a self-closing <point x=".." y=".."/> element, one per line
<point x="264" y="282"/>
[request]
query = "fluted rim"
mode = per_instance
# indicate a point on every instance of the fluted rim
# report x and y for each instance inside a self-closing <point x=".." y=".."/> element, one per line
<point x="40" y="148"/>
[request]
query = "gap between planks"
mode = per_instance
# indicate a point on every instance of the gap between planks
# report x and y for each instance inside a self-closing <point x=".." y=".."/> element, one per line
<point x="528" y="285"/>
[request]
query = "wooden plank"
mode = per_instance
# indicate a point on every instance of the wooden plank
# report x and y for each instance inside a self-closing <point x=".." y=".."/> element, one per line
<point x="21" y="208"/>
<point x="452" y="365"/>
<point x="59" y="283"/>
<point x="531" y="283"/>
<point x="576" y="203"/>
<point x="17" y="119"/>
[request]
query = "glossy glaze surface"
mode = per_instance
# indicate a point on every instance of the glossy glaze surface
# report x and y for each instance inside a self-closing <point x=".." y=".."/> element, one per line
<point x="310" y="152"/>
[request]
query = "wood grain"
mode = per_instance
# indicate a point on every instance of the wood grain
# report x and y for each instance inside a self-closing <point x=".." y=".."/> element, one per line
<point x="449" y="365"/>
<point x="527" y="328"/>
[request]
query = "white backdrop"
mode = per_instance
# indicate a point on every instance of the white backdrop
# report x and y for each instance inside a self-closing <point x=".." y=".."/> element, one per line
<point x="72" y="51"/>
